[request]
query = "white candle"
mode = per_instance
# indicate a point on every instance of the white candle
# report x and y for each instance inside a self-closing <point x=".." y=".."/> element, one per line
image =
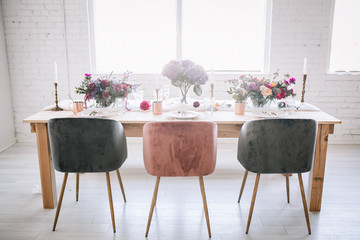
<point x="212" y="76"/>
<point x="157" y="83"/>
<point x="305" y="66"/>
<point x="55" y="73"/>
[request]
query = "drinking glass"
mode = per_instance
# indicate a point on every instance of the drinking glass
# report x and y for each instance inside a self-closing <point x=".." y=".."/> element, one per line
<point x="209" y="105"/>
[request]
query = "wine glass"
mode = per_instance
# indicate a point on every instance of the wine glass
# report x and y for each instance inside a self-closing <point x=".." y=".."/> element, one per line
<point x="166" y="92"/>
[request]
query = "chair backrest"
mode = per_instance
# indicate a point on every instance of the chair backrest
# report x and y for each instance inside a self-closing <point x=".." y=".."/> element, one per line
<point x="277" y="145"/>
<point x="87" y="144"/>
<point x="180" y="148"/>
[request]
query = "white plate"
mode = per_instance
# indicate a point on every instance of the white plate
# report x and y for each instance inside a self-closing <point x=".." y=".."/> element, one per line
<point x="183" y="115"/>
<point x="97" y="112"/>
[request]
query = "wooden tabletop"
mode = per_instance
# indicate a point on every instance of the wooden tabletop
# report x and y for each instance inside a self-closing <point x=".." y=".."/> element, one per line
<point x="220" y="117"/>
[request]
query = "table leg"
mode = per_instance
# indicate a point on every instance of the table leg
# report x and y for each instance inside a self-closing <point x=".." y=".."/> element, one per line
<point x="47" y="172"/>
<point x="316" y="176"/>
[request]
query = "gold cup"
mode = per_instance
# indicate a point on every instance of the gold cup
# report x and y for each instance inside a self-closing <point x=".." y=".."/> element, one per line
<point x="240" y="108"/>
<point x="157" y="108"/>
<point x="78" y="106"/>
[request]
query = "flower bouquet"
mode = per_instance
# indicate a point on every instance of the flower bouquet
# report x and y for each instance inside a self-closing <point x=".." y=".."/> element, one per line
<point x="262" y="91"/>
<point x="239" y="92"/>
<point x="185" y="74"/>
<point x="238" y="88"/>
<point x="104" y="90"/>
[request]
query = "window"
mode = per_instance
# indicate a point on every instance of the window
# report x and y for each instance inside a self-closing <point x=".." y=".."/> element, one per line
<point x="224" y="35"/>
<point x="345" y="42"/>
<point x="133" y="34"/>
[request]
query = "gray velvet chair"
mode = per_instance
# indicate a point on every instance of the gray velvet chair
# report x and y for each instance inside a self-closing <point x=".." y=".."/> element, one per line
<point x="282" y="146"/>
<point x="87" y="145"/>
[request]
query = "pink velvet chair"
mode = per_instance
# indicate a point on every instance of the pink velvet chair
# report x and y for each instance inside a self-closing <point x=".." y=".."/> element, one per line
<point x="179" y="149"/>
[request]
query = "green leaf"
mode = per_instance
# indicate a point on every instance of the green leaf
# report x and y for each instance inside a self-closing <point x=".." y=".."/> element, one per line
<point x="197" y="90"/>
<point x="276" y="90"/>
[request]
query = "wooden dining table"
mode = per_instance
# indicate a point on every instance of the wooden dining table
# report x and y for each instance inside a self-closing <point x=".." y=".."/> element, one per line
<point x="229" y="126"/>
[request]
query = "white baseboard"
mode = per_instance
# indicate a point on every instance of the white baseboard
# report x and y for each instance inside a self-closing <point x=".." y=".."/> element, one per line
<point x="7" y="145"/>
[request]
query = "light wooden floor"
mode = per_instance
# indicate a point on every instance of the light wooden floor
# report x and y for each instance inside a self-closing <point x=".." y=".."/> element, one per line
<point x="179" y="212"/>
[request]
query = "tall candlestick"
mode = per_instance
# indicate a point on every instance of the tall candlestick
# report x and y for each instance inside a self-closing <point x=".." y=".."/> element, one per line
<point x="305" y="66"/>
<point x="303" y="88"/>
<point x="212" y="90"/>
<point x="57" y="108"/>
<point x="212" y="83"/>
<point x="55" y="73"/>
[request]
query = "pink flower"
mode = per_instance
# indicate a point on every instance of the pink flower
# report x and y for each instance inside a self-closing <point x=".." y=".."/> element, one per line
<point x="92" y="86"/>
<point x="87" y="75"/>
<point x="118" y="87"/>
<point x="196" y="104"/>
<point x="105" y="94"/>
<point x="286" y="82"/>
<point x="291" y="91"/>
<point x="282" y="93"/>
<point x="104" y="84"/>
<point x="292" y="80"/>
<point x="278" y="96"/>
<point x="144" y="105"/>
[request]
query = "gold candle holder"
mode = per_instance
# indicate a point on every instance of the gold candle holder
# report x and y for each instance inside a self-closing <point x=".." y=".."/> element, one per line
<point x="57" y="108"/>
<point x="303" y="88"/>
<point x="212" y="90"/>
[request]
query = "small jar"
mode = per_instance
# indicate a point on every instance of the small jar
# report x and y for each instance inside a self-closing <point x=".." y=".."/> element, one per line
<point x="240" y="108"/>
<point x="157" y="108"/>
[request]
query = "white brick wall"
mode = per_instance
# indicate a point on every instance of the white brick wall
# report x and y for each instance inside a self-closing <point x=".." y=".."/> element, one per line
<point x="35" y="38"/>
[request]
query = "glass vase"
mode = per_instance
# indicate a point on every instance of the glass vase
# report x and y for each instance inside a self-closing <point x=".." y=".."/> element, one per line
<point x="120" y="104"/>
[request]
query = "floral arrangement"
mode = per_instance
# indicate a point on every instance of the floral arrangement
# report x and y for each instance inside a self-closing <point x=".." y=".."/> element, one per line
<point x="104" y="90"/>
<point x="261" y="90"/>
<point x="264" y="90"/>
<point x="238" y="88"/>
<point x="185" y="74"/>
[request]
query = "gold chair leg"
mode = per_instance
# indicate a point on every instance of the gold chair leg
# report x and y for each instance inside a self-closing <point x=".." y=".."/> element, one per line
<point x="243" y="185"/>
<point x="287" y="188"/>
<point x="110" y="200"/>
<point x="77" y="186"/>
<point x="60" y="201"/>
<point x="253" y="202"/>
<point x="304" y="202"/>
<point x="201" y="180"/>
<point x="152" y="205"/>
<point x="121" y="184"/>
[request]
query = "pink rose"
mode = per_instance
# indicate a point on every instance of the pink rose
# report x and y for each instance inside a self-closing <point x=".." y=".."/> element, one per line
<point x="104" y="84"/>
<point x="105" y="94"/>
<point x="282" y="92"/>
<point x="118" y="87"/>
<point x="92" y="86"/>
<point x="144" y="105"/>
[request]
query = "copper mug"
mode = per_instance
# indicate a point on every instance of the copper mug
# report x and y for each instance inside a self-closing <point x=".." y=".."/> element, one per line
<point x="78" y="106"/>
<point x="157" y="108"/>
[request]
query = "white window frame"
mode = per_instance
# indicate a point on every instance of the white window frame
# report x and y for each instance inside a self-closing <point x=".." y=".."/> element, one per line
<point x="346" y="74"/>
<point x="178" y="12"/>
